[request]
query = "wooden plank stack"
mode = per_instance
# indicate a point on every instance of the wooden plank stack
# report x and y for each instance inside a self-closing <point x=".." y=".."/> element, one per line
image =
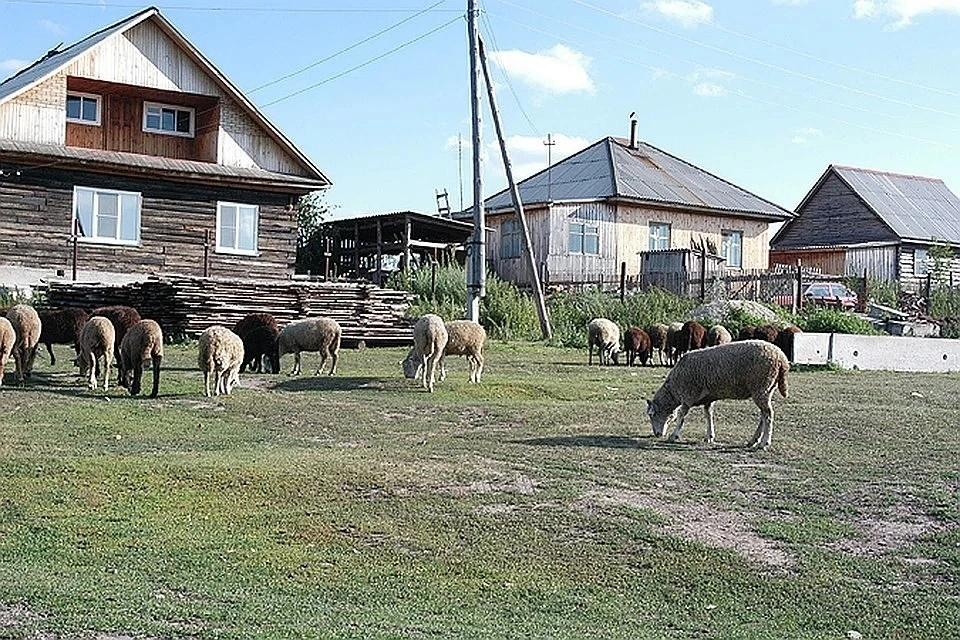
<point x="186" y="305"/>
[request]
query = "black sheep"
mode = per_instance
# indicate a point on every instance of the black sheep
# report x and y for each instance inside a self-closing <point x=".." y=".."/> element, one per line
<point x="61" y="326"/>
<point x="259" y="333"/>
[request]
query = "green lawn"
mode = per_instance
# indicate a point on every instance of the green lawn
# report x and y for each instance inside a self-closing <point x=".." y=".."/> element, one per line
<point x="535" y="505"/>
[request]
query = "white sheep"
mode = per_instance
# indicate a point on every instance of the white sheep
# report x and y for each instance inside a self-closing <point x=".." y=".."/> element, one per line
<point x="737" y="370"/>
<point x="220" y="354"/>
<point x="605" y="335"/>
<point x="26" y="324"/>
<point x="97" y="338"/>
<point x="141" y="343"/>
<point x="465" y="338"/>
<point x="718" y="334"/>
<point x="429" y="340"/>
<point x="7" y="339"/>
<point x="312" y="334"/>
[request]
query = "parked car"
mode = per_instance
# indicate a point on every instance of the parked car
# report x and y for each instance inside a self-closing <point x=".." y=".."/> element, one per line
<point x="828" y="294"/>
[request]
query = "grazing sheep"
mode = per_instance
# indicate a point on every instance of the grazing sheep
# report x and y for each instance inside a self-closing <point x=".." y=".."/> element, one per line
<point x="311" y="334"/>
<point x="7" y="338"/>
<point x="122" y="318"/>
<point x="785" y="340"/>
<point x="220" y="354"/>
<point x="690" y="337"/>
<point x="747" y="332"/>
<point x="718" y="334"/>
<point x="26" y="325"/>
<point x="465" y="338"/>
<point x="736" y="371"/>
<point x="637" y="344"/>
<point x="97" y="338"/>
<point x="658" y="340"/>
<point x="430" y="338"/>
<point x="259" y="332"/>
<point x="143" y="341"/>
<point x="605" y="336"/>
<point x="767" y="332"/>
<point x="61" y="326"/>
<point x="673" y="338"/>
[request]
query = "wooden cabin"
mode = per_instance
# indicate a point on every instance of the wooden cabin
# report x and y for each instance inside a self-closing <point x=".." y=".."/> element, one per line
<point x="858" y="221"/>
<point x="129" y="154"/>
<point x="615" y="200"/>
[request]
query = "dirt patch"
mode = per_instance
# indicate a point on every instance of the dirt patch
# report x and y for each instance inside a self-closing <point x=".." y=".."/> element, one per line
<point x="897" y="529"/>
<point x="703" y="523"/>
<point x="518" y="484"/>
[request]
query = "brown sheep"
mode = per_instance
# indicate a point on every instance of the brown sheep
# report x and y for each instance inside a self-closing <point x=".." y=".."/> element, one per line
<point x="637" y="344"/>
<point x="658" y="340"/>
<point x="142" y="342"/>
<point x="746" y="332"/>
<point x="673" y="340"/>
<point x="785" y="340"/>
<point x="259" y="332"/>
<point x="767" y="333"/>
<point x="7" y="338"/>
<point x="26" y="324"/>
<point x="690" y="337"/>
<point x="122" y="318"/>
<point x="61" y="326"/>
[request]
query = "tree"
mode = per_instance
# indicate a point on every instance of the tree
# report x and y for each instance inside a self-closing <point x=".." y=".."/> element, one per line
<point x="312" y="235"/>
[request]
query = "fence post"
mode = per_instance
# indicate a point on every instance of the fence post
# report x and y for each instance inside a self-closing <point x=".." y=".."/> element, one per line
<point x="703" y="271"/>
<point x="928" y="293"/>
<point x="433" y="280"/>
<point x="862" y="300"/>
<point x="623" y="280"/>
<point x="797" y="289"/>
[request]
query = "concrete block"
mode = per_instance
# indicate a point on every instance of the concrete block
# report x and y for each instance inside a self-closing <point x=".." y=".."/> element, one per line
<point x="890" y="353"/>
<point x="811" y="348"/>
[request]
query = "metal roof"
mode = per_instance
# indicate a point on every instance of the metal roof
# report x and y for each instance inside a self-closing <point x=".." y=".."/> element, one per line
<point x="915" y="208"/>
<point x="610" y="169"/>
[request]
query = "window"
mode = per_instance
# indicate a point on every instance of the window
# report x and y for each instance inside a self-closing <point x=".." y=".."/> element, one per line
<point x="584" y="236"/>
<point x="237" y="228"/>
<point x="659" y="236"/>
<point x="510" y="239"/>
<point x="921" y="262"/>
<point x="83" y="108"/>
<point x="162" y="118"/>
<point x="731" y="248"/>
<point x="107" y="216"/>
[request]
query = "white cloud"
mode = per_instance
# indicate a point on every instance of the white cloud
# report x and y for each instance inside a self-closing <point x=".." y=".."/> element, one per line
<point x="689" y="13"/>
<point x="903" y="11"/>
<point x="804" y="135"/>
<point x="791" y="2"/>
<point x="709" y="89"/>
<point x="528" y="154"/>
<point x="709" y="83"/>
<point x="558" y="70"/>
<point x="12" y="64"/>
<point x="52" y="27"/>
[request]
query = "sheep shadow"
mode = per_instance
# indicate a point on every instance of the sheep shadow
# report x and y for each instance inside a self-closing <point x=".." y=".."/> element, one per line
<point x="329" y="383"/>
<point x="644" y="442"/>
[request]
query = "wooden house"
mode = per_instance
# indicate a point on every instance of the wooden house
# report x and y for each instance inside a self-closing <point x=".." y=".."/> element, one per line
<point x="129" y="153"/>
<point x="856" y="221"/>
<point x="617" y="199"/>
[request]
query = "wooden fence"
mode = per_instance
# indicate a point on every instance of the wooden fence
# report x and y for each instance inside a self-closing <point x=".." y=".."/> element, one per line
<point x="184" y="306"/>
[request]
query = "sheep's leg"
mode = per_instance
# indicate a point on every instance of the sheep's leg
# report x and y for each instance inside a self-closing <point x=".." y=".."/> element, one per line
<point x="479" y="361"/>
<point x="443" y="368"/>
<point x="53" y="359"/>
<point x="155" y="361"/>
<point x="761" y="439"/>
<point x="681" y="414"/>
<point x="296" y="364"/>
<point x="323" y="359"/>
<point x="89" y="360"/>
<point x="708" y="412"/>
<point x="106" y="368"/>
<point x="334" y="356"/>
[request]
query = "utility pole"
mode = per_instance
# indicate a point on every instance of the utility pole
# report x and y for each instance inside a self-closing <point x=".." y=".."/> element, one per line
<point x="517" y="204"/>
<point x="476" y="245"/>
<point x="549" y="144"/>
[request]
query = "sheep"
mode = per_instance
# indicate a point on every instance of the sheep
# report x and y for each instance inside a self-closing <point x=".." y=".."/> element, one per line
<point x="785" y="340"/>
<point x="61" y="326"/>
<point x="718" y="334"/>
<point x="465" y="338"/>
<point x="220" y="354"/>
<point x="637" y="344"/>
<point x="7" y="338"/>
<point x="430" y="338"/>
<point x="673" y="337"/>
<point x="605" y="336"/>
<point x="141" y="342"/>
<point x="767" y="332"/>
<point x="97" y="338"/>
<point x="658" y="340"/>
<point x="690" y="337"/>
<point x="26" y="325"/>
<point x="311" y="334"/>
<point x="747" y="332"/>
<point x="259" y="333"/>
<point x="122" y="318"/>
<point x="738" y="370"/>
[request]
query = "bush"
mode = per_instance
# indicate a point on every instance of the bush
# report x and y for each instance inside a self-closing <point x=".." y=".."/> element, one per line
<point x="824" y="320"/>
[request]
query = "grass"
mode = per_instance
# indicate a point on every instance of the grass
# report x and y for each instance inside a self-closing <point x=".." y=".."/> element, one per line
<point x="534" y="505"/>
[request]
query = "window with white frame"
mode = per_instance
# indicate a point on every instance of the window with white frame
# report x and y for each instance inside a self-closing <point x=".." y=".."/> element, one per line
<point x="659" y="236"/>
<point x="731" y="248"/>
<point x="584" y="237"/>
<point x="83" y="108"/>
<point x="921" y="261"/>
<point x="168" y="119"/>
<point x="510" y="239"/>
<point x="106" y="215"/>
<point x="237" y="228"/>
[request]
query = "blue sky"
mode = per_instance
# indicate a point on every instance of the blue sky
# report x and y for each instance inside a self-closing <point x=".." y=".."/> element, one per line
<point x="763" y="93"/>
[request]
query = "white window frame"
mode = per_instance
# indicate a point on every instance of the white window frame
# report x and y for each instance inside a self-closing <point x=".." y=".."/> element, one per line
<point x="164" y="132"/>
<point x="85" y="96"/>
<point x="656" y="239"/>
<point x="510" y="238"/>
<point x="726" y="235"/>
<point x="921" y="261"/>
<point x="92" y="235"/>
<point x="235" y="250"/>
<point x="587" y="229"/>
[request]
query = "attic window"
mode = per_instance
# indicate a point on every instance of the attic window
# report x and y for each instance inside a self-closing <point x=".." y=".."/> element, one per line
<point x="83" y="108"/>
<point x="168" y="120"/>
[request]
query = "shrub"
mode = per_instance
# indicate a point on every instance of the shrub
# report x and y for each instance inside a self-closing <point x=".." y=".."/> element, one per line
<point x="824" y="320"/>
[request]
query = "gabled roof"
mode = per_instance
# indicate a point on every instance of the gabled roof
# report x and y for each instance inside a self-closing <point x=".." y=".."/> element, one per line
<point x="55" y="60"/>
<point x="610" y="169"/>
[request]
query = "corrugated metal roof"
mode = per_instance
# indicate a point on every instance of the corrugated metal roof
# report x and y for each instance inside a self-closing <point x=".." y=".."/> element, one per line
<point x="609" y="168"/>
<point x="916" y="208"/>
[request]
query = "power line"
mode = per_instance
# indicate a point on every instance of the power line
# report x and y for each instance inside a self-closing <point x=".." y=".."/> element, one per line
<point x="364" y="64"/>
<point x="118" y="5"/>
<point x="506" y="76"/>
<point x="344" y="50"/>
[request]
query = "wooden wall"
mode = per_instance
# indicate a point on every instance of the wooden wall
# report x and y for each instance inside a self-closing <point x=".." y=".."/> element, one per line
<point x="827" y="259"/>
<point x="515" y="269"/>
<point x="37" y="213"/>
<point x="563" y="266"/>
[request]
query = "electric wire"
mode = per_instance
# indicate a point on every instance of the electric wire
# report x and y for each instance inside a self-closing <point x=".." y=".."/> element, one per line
<point x="506" y="76"/>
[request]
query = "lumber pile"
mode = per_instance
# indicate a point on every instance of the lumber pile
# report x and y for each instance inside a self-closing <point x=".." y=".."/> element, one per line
<point x="186" y="305"/>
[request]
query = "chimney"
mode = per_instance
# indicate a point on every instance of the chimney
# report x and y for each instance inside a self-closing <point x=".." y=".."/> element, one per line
<point x="633" y="130"/>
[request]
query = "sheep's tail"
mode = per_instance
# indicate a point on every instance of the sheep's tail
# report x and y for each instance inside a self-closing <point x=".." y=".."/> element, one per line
<point x="782" y="379"/>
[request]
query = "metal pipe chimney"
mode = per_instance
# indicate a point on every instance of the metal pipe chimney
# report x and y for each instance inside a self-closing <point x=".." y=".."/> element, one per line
<point x="633" y="131"/>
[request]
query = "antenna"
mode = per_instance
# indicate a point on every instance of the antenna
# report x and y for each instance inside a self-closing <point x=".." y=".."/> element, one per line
<point x="549" y="144"/>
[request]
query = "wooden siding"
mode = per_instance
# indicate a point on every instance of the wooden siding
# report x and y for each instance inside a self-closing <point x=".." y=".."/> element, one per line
<point x="910" y="281"/>
<point x="37" y="115"/>
<point x="877" y="262"/>
<point x="37" y="212"/>
<point x="563" y="266"/>
<point x="833" y="215"/>
<point x="515" y="269"/>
